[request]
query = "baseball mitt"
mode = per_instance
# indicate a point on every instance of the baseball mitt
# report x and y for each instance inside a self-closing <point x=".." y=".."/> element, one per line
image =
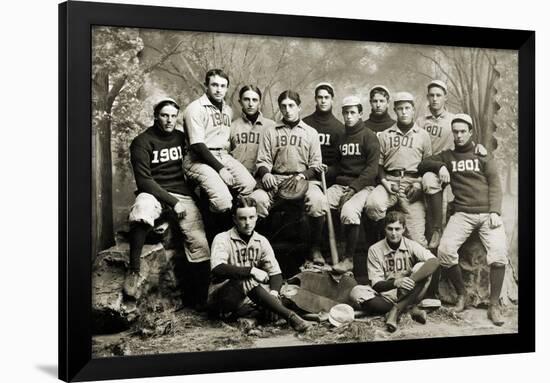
<point x="293" y="188"/>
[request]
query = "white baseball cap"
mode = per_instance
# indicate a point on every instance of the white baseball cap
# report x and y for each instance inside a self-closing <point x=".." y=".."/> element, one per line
<point x="464" y="118"/>
<point x="439" y="84"/>
<point x="341" y="314"/>
<point x="381" y="87"/>
<point x="402" y="97"/>
<point x="351" y="101"/>
<point x="324" y="84"/>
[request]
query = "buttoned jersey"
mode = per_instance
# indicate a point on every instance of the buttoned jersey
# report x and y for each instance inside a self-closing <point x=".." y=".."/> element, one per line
<point x="400" y="151"/>
<point x="245" y="139"/>
<point x="229" y="248"/>
<point x="439" y="130"/>
<point x="286" y="150"/>
<point x="205" y="123"/>
<point x="384" y="263"/>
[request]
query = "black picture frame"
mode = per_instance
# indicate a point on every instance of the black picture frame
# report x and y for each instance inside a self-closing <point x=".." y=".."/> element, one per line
<point x="75" y="352"/>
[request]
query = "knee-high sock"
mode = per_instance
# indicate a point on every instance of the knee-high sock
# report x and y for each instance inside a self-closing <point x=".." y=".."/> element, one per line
<point x="138" y="233"/>
<point x="261" y="297"/>
<point x="316" y="227"/>
<point x="496" y="276"/>
<point x="412" y="297"/>
<point x="377" y="305"/>
<point x="455" y="276"/>
<point x="352" y="235"/>
<point x="433" y="289"/>
<point x="435" y="210"/>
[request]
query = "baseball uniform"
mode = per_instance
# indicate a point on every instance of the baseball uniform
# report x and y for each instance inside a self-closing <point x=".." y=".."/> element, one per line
<point x="156" y="158"/>
<point x="400" y="155"/>
<point x="384" y="263"/>
<point x="476" y="185"/>
<point x="245" y="139"/>
<point x="284" y="152"/>
<point x="357" y="169"/>
<point x="441" y="135"/>
<point x="205" y="123"/>
<point x="378" y="123"/>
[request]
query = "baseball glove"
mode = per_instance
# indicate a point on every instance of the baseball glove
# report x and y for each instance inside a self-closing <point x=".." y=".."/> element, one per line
<point x="293" y="188"/>
<point x="413" y="193"/>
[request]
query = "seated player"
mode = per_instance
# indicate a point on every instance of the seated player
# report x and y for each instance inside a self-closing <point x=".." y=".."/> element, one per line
<point x="399" y="270"/>
<point x="242" y="261"/>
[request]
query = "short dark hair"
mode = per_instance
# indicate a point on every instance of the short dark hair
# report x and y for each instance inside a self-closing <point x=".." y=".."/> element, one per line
<point x="289" y="94"/>
<point x="215" y="72"/>
<point x="359" y="108"/>
<point x="241" y="202"/>
<point x="253" y="88"/>
<point x="324" y="87"/>
<point x="379" y="91"/>
<point x="162" y="104"/>
<point x="395" y="216"/>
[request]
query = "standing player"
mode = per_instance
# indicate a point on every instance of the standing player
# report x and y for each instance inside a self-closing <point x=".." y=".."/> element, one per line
<point x="379" y="118"/>
<point x="156" y="157"/>
<point x="402" y="147"/>
<point x="356" y="171"/>
<point x="291" y="151"/>
<point x="329" y="128"/>
<point x="399" y="270"/>
<point x="478" y="198"/>
<point x="247" y="129"/>
<point x="242" y="260"/>
<point x="437" y="123"/>
<point x="208" y="163"/>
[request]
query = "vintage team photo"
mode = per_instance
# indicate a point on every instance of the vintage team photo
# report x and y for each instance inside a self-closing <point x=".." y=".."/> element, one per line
<point x="259" y="191"/>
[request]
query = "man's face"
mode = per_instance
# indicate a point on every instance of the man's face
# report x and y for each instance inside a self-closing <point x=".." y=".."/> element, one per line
<point x="394" y="232"/>
<point x="405" y="112"/>
<point x="461" y="133"/>
<point x="351" y="115"/>
<point x="378" y="104"/>
<point x="216" y="87"/>
<point x="290" y="110"/>
<point x="323" y="99"/>
<point x="245" y="220"/>
<point x="436" y="98"/>
<point x="167" y="118"/>
<point x="250" y="102"/>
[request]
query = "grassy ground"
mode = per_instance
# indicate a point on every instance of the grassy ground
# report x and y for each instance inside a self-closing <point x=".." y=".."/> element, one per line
<point x="188" y="331"/>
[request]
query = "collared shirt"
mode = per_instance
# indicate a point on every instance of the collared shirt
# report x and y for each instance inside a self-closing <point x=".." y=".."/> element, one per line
<point x="439" y="130"/>
<point x="400" y="151"/>
<point x="229" y="248"/>
<point x="205" y="123"/>
<point x="245" y="139"/>
<point x="289" y="150"/>
<point x="384" y="263"/>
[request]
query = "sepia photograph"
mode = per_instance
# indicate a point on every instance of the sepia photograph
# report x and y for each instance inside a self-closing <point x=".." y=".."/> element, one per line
<point x="254" y="191"/>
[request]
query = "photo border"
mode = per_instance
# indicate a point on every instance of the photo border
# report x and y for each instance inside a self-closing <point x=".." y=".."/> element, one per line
<point x="75" y="174"/>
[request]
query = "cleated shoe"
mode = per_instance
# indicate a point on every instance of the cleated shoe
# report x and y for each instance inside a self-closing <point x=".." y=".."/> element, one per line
<point x="495" y="315"/>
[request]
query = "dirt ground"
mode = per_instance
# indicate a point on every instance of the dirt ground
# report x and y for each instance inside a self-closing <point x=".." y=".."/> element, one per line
<point x="189" y="331"/>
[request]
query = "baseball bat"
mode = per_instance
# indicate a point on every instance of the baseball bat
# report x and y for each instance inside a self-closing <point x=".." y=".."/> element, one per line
<point x="330" y="224"/>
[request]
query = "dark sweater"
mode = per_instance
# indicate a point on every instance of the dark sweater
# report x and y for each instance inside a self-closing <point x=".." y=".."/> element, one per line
<point x="379" y="123"/>
<point x="359" y="153"/>
<point x="156" y="159"/>
<point x="474" y="179"/>
<point x="330" y="130"/>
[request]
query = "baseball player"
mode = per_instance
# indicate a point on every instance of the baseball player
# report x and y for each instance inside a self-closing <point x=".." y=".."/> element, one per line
<point x="399" y="270"/>
<point x="356" y="170"/>
<point x="208" y="128"/>
<point x="475" y="183"/>
<point x="379" y="118"/>
<point x="242" y="261"/>
<point x="291" y="149"/>
<point x="330" y="129"/>
<point x="402" y="147"/>
<point x="156" y="156"/>
<point x="247" y="129"/>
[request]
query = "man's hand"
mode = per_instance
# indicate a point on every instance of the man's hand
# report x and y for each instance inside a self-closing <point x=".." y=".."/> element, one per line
<point x="390" y="187"/>
<point x="414" y="192"/>
<point x="444" y="175"/>
<point x="179" y="209"/>
<point x="321" y="168"/>
<point x="404" y="283"/>
<point x="480" y="149"/>
<point x="226" y="176"/>
<point x="346" y="197"/>
<point x="259" y="275"/>
<point x="494" y="220"/>
<point x="269" y="181"/>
